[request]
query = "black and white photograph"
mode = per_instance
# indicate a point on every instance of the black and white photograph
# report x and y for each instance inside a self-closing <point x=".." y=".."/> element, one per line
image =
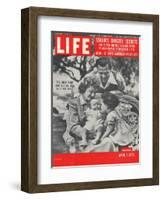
<point x="95" y="99"/>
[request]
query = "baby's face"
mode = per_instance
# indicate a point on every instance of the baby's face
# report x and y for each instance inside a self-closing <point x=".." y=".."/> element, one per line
<point x="95" y="105"/>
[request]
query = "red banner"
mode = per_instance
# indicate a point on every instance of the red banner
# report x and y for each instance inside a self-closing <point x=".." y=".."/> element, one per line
<point x="113" y="46"/>
<point x="97" y="158"/>
<point x="116" y="46"/>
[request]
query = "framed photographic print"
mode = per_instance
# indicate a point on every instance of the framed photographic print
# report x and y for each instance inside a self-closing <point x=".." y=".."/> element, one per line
<point x="90" y="99"/>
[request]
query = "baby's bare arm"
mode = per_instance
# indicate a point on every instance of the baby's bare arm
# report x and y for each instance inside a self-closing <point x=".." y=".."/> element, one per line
<point x="97" y="135"/>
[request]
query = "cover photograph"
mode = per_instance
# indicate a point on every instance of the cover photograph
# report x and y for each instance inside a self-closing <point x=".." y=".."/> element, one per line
<point x="94" y="99"/>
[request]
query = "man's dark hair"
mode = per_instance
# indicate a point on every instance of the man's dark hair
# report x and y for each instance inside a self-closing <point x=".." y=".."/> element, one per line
<point x="110" y="100"/>
<point x="103" y="62"/>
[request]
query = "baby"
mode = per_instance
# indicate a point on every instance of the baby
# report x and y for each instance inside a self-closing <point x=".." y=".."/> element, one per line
<point x="94" y="120"/>
<point x="121" y="124"/>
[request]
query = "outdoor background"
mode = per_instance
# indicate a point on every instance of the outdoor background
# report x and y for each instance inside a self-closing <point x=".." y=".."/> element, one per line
<point x="10" y="51"/>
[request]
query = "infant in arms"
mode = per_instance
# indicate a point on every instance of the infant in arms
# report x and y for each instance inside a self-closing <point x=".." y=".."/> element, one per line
<point x="94" y="120"/>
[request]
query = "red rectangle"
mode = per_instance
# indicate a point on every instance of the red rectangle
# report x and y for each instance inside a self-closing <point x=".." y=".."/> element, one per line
<point x="97" y="158"/>
<point x="116" y="46"/>
<point x="72" y="45"/>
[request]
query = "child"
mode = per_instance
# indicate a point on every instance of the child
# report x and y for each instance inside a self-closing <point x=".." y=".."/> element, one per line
<point x="94" y="120"/>
<point x="121" y="123"/>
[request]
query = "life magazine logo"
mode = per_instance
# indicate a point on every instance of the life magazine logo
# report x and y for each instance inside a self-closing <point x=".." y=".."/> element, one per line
<point x="77" y="45"/>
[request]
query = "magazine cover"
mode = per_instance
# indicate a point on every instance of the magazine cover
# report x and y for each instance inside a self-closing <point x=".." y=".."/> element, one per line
<point x="95" y="99"/>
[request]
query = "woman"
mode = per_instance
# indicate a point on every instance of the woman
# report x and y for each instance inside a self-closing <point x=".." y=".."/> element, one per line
<point x="75" y="136"/>
<point x="121" y="123"/>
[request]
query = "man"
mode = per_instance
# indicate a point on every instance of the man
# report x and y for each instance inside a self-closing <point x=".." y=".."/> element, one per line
<point x="106" y="80"/>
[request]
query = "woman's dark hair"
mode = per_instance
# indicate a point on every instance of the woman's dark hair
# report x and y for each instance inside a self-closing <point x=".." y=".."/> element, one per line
<point x="110" y="100"/>
<point x="85" y="84"/>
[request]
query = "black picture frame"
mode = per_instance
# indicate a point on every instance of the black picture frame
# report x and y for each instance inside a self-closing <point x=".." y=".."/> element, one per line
<point x="29" y="173"/>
